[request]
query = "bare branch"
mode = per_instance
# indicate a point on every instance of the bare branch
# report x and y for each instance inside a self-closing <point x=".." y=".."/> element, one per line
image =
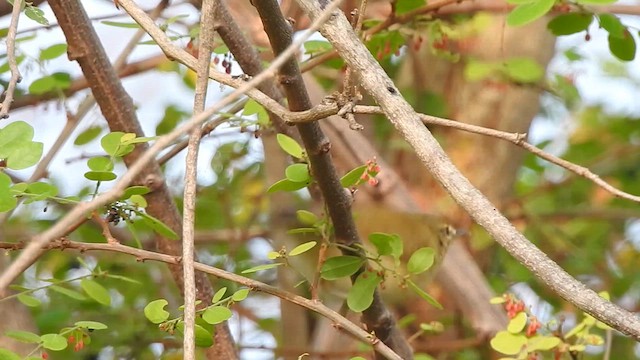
<point x="191" y="179"/>
<point x="11" y="58"/>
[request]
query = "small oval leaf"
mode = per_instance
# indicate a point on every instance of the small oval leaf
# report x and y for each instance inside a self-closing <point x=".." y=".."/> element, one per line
<point x="96" y="291"/>
<point x="216" y="314"/>
<point x="302" y="248"/>
<point x="155" y="312"/>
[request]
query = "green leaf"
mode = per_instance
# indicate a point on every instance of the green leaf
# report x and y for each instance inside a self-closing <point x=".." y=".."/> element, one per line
<point x="100" y="163"/>
<point x="134" y="190"/>
<point x="567" y="24"/>
<point x="124" y="278"/>
<point x="41" y="190"/>
<point x="9" y="355"/>
<point x="306" y="217"/>
<point x="523" y="70"/>
<point x="91" y="325"/>
<point x="507" y="343"/>
<point x="157" y="226"/>
<point x="340" y="266"/>
<point x="240" y="295"/>
<point x="302" y="248"/>
<point x="53" y="51"/>
<point x="203" y="337"/>
<point x="298" y="173"/>
<point x="216" y="314"/>
<point x="100" y="176"/>
<point x="7" y="200"/>
<point x="54" y="342"/>
<point x="360" y="295"/>
<point x="252" y="107"/>
<point x="404" y="6"/>
<point x="261" y="268"/>
<point x="542" y="343"/>
<point x="612" y="24"/>
<point x="623" y="48"/>
<point x="475" y="70"/>
<point x="112" y="143"/>
<point x="68" y="292"/>
<point x="517" y="323"/>
<point x="128" y="25"/>
<point x="36" y="14"/>
<point x="316" y="46"/>
<point x="43" y="85"/>
<point x="421" y="260"/>
<point x="17" y="146"/>
<point x="387" y="244"/>
<point x="87" y="135"/>
<point x="290" y="146"/>
<point x="352" y="177"/>
<point x="287" y="185"/>
<point x="218" y="295"/>
<point x="424" y="295"/>
<point x="526" y="13"/>
<point x="24" y="336"/>
<point x="172" y="116"/>
<point x="96" y="291"/>
<point x="138" y="201"/>
<point x="155" y="312"/>
<point x="29" y="300"/>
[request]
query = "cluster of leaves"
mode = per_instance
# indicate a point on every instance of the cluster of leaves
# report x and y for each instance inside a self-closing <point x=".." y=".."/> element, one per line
<point x="621" y="42"/>
<point x="360" y="295"/>
<point x="526" y="337"/>
<point x="213" y="314"/>
<point x="387" y="246"/>
<point x="80" y="334"/>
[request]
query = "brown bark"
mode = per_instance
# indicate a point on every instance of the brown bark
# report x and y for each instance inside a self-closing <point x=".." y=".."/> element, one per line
<point x="117" y="108"/>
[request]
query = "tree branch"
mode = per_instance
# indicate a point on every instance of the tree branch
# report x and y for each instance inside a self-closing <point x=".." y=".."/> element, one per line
<point x="408" y="123"/>
<point x="144" y="255"/>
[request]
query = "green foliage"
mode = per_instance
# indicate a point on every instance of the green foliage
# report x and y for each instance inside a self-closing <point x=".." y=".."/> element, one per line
<point x="213" y="314"/>
<point x="567" y="24"/>
<point x="55" y="82"/>
<point x="53" y="52"/>
<point x="526" y="337"/>
<point x="340" y="266"/>
<point x="528" y="11"/>
<point x="517" y="69"/>
<point x="360" y="295"/>
<point x="312" y="47"/>
<point x="17" y="148"/>
<point x="404" y="6"/>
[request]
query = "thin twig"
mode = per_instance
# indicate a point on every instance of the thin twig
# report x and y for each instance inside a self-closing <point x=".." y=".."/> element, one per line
<point x="11" y="59"/>
<point x="324" y="110"/>
<point x="191" y="179"/>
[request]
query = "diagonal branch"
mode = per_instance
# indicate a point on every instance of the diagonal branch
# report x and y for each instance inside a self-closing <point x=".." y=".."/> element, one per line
<point x="374" y="80"/>
<point x="145" y="255"/>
